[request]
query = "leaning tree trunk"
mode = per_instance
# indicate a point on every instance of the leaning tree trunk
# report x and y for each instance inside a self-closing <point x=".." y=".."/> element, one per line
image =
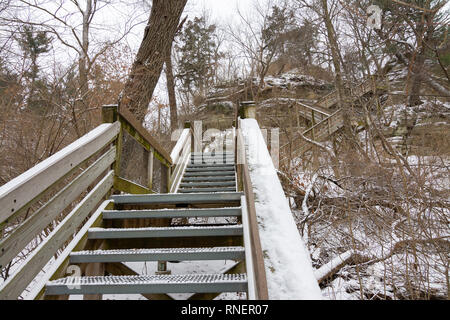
<point x="171" y="91"/>
<point x="146" y="70"/>
<point x="147" y="67"/>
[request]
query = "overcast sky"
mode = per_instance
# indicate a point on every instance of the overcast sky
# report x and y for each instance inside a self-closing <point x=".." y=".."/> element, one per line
<point x="221" y="10"/>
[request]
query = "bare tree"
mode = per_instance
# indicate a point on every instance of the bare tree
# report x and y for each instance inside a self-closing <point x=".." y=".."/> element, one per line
<point x="72" y="24"/>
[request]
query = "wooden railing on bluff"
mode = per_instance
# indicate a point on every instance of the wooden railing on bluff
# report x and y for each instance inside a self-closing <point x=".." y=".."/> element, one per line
<point x="353" y="93"/>
<point x="64" y="195"/>
<point x="318" y="132"/>
<point x="329" y="124"/>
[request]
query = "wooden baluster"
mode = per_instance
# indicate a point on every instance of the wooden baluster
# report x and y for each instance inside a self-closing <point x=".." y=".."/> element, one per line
<point x="150" y="169"/>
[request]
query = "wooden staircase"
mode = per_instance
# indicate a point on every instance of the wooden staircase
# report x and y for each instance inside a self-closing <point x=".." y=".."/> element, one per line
<point x="353" y="93"/>
<point x="105" y="231"/>
<point x="196" y="197"/>
<point x="328" y="122"/>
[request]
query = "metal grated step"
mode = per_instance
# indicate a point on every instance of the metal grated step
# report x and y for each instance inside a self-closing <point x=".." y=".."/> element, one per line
<point x="205" y="165"/>
<point x="194" y="190"/>
<point x="178" y="198"/>
<point x="212" y="159"/>
<point x="208" y="173"/>
<point x="206" y="169"/>
<point x="164" y="254"/>
<point x="165" y="232"/>
<point x="171" y="213"/>
<point x="208" y="179"/>
<point x="208" y="184"/>
<point x="194" y="283"/>
<point x="212" y="154"/>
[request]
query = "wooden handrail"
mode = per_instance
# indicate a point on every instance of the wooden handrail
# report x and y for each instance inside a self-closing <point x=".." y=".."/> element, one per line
<point x="113" y="113"/>
<point x="133" y="127"/>
<point x="27" y="188"/>
<point x="23" y="192"/>
<point x="259" y="272"/>
<point x="96" y="149"/>
<point x="18" y="239"/>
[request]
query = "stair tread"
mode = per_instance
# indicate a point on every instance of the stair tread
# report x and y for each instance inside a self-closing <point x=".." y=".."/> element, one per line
<point x="166" y="232"/>
<point x="208" y="173"/>
<point x="210" y="153"/>
<point x="212" y="189"/>
<point x="213" y="165"/>
<point x="205" y="197"/>
<point x="172" y="213"/>
<point x="206" y="178"/>
<point x="211" y="168"/>
<point x="182" y="283"/>
<point x="208" y="184"/>
<point x="155" y="251"/>
<point x="150" y="279"/>
<point x="168" y="228"/>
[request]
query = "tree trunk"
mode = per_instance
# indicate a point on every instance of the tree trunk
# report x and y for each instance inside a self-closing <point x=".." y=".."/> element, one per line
<point x="337" y="67"/>
<point x="83" y="61"/>
<point x="171" y="91"/>
<point x="423" y="36"/>
<point x="147" y="67"/>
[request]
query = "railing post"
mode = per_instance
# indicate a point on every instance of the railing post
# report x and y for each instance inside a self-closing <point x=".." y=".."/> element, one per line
<point x="247" y="110"/>
<point x="110" y="114"/>
<point x="188" y="125"/>
<point x="197" y="137"/>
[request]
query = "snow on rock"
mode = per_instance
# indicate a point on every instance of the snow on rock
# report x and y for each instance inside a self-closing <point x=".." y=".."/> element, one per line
<point x="287" y="262"/>
<point x="293" y="79"/>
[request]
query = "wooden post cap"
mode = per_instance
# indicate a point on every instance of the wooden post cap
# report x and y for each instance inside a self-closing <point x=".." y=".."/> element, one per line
<point x="248" y="110"/>
<point x="109" y="113"/>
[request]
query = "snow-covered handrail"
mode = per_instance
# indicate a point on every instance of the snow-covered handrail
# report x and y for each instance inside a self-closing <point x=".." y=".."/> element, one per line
<point x="257" y="283"/>
<point x="289" y="272"/>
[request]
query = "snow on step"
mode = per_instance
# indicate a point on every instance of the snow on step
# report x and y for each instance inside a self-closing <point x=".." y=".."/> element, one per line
<point x="208" y="184"/>
<point x="177" y="198"/>
<point x="203" y="165"/>
<point x="172" y="213"/>
<point x="148" y="284"/>
<point x="208" y="173"/>
<point x="160" y="232"/>
<point x="218" y="189"/>
<point x="216" y="178"/>
<point x="212" y="154"/>
<point x="164" y="254"/>
<point x="222" y="168"/>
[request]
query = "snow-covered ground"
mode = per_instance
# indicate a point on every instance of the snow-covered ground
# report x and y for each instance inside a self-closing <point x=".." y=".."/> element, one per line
<point x="395" y="223"/>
